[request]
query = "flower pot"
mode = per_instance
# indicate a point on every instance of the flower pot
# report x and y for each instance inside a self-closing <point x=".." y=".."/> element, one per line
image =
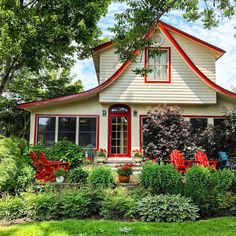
<point x="138" y="159"/>
<point x="101" y="159"/>
<point x="123" y="178"/>
<point x="60" y="179"/>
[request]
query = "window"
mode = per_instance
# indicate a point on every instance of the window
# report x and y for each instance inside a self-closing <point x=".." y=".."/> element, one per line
<point x="80" y="130"/>
<point x="87" y="131"/>
<point x="157" y="60"/>
<point x="46" y="130"/>
<point x="67" y="128"/>
<point x="198" y="123"/>
<point x="219" y="122"/>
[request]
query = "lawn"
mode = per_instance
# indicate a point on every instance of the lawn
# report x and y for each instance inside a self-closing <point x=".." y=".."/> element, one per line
<point x="219" y="226"/>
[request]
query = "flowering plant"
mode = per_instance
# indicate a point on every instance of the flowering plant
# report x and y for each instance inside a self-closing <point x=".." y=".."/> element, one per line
<point x="137" y="153"/>
<point x="125" y="170"/>
<point x="101" y="152"/>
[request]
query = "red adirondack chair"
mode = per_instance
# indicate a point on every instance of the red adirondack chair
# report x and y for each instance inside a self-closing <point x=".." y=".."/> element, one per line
<point x="42" y="173"/>
<point x="201" y="158"/>
<point x="54" y="164"/>
<point x="178" y="161"/>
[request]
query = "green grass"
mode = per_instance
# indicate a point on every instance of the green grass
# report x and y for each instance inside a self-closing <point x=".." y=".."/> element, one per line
<point x="219" y="226"/>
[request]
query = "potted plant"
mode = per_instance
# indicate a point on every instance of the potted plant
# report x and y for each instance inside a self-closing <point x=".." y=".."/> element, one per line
<point x="60" y="175"/>
<point x="138" y="155"/>
<point x="124" y="172"/>
<point x="101" y="155"/>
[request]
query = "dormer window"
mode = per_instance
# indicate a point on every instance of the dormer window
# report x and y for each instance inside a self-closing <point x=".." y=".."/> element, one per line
<point x="157" y="63"/>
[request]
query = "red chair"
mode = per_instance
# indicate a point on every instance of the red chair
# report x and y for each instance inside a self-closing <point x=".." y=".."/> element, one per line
<point x="42" y="173"/>
<point x="54" y="164"/>
<point x="201" y="158"/>
<point x="177" y="159"/>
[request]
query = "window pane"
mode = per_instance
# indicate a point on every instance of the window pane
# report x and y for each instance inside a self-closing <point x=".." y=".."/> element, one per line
<point x="158" y="63"/>
<point x="87" y="131"/>
<point x="46" y="130"/>
<point x="219" y="122"/>
<point x="67" y="128"/>
<point x="198" y="123"/>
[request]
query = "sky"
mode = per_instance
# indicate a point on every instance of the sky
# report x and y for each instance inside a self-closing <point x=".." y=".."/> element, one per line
<point x="222" y="37"/>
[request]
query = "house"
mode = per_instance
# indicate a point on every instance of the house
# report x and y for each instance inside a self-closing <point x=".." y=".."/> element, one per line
<point x="111" y="115"/>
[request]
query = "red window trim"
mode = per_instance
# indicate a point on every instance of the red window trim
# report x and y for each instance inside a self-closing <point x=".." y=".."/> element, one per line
<point x="168" y="81"/>
<point x="64" y="115"/>
<point x="185" y="116"/>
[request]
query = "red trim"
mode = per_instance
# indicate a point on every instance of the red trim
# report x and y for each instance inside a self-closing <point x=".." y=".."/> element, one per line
<point x="102" y="46"/>
<point x="191" y="37"/>
<point x="117" y="114"/>
<point x="193" y="67"/>
<point x="64" y="115"/>
<point x="168" y="69"/>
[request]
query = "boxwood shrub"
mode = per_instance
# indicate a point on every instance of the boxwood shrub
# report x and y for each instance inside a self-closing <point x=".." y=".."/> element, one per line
<point x="160" y="178"/>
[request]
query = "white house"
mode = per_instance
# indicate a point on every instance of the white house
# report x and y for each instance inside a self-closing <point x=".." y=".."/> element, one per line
<point x="111" y="115"/>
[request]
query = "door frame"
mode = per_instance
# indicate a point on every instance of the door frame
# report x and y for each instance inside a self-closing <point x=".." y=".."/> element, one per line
<point x="119" y="114"/>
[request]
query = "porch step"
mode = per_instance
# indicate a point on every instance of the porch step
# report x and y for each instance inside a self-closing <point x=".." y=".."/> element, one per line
<point x="113" y="162"/>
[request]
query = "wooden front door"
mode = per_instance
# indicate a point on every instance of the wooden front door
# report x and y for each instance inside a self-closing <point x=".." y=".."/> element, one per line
<point x="119" y="131"/>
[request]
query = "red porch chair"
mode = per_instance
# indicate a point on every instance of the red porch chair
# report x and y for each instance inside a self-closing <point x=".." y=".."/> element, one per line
<point x="54" y="164"/>
<point x="201" y="158"/>
<point x="42" y="173"/>
<point x="178" y="161"/>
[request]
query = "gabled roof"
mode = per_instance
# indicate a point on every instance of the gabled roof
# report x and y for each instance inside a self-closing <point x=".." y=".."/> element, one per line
<point x="165" y="28"/>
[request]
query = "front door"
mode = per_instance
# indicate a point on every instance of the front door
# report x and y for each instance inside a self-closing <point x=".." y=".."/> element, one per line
<point x="119" y="135"/>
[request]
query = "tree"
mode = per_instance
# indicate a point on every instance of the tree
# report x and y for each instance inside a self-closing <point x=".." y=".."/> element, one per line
<point x="141" y="16"/>
<point x="164" y="131"/>
<point x="44" y="34"/>
<point x="28" y="86"/>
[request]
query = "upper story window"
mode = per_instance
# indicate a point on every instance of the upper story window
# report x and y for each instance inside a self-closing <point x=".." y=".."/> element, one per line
<point x="158" y="61"/>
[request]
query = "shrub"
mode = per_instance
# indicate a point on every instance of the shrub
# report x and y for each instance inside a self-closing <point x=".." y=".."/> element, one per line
<point x="206" y="186"/>
<point x="101" y="176"/>
<point x="166" y="208"/>
<point x="11" y="208"/>
<point x="63" y="204"/>
<point x="60" y="172"/>
<point x="117" y="203"/>
<point x="65" y="151"/>
<point x="164" y="131"/>
<point x="16" y="174"/>
<point x="227" y="205"/>
<point x="160" y="178"/>
<point x="78" y="175"/>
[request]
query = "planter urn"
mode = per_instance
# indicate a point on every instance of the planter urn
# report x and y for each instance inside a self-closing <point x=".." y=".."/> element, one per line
<point x="60" y="179"/>
<point x="123" y="178"/>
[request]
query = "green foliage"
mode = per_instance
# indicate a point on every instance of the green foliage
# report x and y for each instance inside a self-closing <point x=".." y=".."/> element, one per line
<point x="65" y="151"/>
<point x="166" y="208"/>
<point x="206" y="186"/>
<point x="60" y="172"/>
<point x="125" y="170"/>
<point x="160" y="178"/>
<point x="117" y="203"/>
<point x="101" y="176"/>
<point x="164" y="131"/>
<point x="38" y="35"/>
<point x="227" y="205"/>
<point x="63" y="204"/>
<point x="16" y="174"/>
<point x="78" y="175"/>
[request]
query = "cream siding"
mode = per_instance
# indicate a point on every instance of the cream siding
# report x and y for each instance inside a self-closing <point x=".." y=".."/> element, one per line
<point x="201" y="56"/>
<point x="185" y="87"/>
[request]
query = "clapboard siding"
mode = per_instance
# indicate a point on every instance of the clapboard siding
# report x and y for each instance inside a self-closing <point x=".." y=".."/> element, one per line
<point x="185" y="87"/>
